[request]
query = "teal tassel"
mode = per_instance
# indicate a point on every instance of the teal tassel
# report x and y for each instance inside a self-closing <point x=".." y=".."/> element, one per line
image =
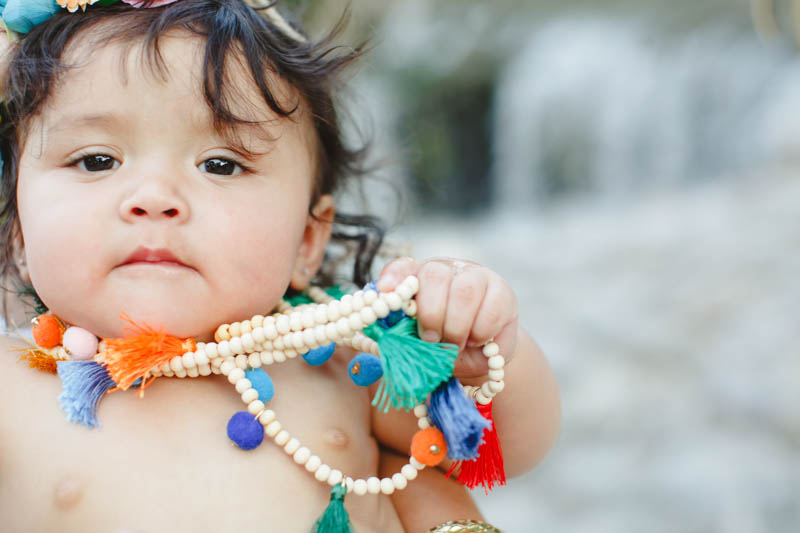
<point x="335" y="518"/>
<point x="412" y="368"/>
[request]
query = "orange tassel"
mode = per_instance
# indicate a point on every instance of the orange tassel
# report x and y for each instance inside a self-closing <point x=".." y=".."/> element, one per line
<point x="40" y="360"/>
<point x="487" y="469"/>
<point x="133" y="356"/>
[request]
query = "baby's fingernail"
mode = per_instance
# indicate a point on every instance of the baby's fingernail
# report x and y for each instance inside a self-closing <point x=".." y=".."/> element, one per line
<point x="430" y="336"/>
<point x="387" y="282"/>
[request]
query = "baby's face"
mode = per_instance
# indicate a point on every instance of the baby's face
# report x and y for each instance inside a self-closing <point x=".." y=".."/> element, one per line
<point x="129" y="201"/>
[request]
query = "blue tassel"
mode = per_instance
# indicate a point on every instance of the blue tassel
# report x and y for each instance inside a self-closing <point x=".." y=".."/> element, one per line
<point x="457" y="417"/>
<point x="84" y="383"/>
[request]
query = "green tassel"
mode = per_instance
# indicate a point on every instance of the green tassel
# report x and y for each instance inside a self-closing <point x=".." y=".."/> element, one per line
<point x="335" y="292"/>
<point x="412" y="368"/>
<point x="298" y="299"/>
<point x="334" y="519"/>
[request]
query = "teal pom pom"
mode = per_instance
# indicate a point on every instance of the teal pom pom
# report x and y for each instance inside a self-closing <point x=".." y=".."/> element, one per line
<point x="261" y="382"/>
<point x="412" y="368"/>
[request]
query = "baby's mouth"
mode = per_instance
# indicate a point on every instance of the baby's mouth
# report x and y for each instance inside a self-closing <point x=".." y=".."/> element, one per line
<point x="161" y="257"/>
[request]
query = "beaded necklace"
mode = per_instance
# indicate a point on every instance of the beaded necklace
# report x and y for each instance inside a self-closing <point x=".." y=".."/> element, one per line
<point x="453" y="420"/>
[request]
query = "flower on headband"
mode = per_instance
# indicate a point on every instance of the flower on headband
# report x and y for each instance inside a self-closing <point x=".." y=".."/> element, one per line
<point x="73" y="5"/>
<point x="155" y="3"/>
<point x="21" y="15"/>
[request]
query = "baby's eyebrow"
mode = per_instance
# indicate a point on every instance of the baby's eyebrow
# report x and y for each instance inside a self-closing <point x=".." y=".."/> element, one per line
<point x="104" y="120"/>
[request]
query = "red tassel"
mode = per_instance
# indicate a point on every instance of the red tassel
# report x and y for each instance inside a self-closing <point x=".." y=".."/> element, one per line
<point x="133" y="356"/>
<point x="486" y="469"/>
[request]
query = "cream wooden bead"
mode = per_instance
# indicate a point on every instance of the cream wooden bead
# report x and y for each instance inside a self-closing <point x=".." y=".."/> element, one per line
<point x="335" y="478"/>
<point x="211" y="350"/>
<point x="360" y="486"/>
<point x="248" y="342"/>
<point x="216" y="365"/>
<point x="257" y="321"/>
<point x="258" y="335"/>
<point x="246" y="326"/>
<point x="282" y="437"/>
<point x="224" y="349"/>
<point x="413" y="283"/>
<point x="399" y="481"/>
<point x="343" y="327"/>
<point x="392" y="300"/>
<point x="235" y="329"/>
<point x="291" y="446"/>
<point x="334" y="313"/>
<point x="323" y="472"/>
<point x="420" y="410"/>
<point x="313" y="463"/>
<point x="416" y="464"/>
<point x="249" y="395"/>
<point x="497" y="375"/>
<point x="370" y="296"/>
<point x="486" y="390"/>
<point x="302" y="455"/>
<point x="282" y="324"/>
<point x="355" y="322"/>
<point x="349" y="483"/>
<point x="266" y="358"/>
<point x="273" y="428"/>
<point x="267" y="417"/>
<point x="368" y="315"/>
<point x="319" y="335"/>
<point x="387" y="487"/>
<point x="227" y="366"/>
<point x="278" y="344"/>
<point x="381" y="308"/>
<point x="176" y="363"/>
<point x="291" y="354"/>
<point x="482" y="399"/>
<point x="222" y="333"/>
<point x="358" y="301"/>
<point x="496" y="362"/>
<point x="270" y="330"/>
<point x="181" y="373"/>
<point x="410" y="308"/>
<point x="192" y="372"/>
<point x="297" y="340"/>
<point x="331" y="331"/>
<point x="346" y="304"/>
<point x="424" y="423"/>
<point x="204" y="369"/>
<point x="497" y="386"/>
<point x="373" y="485"/>
<point x="166" y="370"/>
<point x="404" y="292"/>
<point x="309" y="338"/>
<point x="235" y="345"/>
<point x="200" y="358"/>
<point x="235" y="375"/>
<point x="241" y="362"/>
<point x="308" y="319"/>
<point x="254" y="360"/>
<point x="188" y="361"/>
<point x="491" y="349"/>
<point x="242" y="384"/>
<point x="255" y="407"/>
<point x="409" y="472"/>
<point x="295" y="321"/>
<point x="279" y="356"/>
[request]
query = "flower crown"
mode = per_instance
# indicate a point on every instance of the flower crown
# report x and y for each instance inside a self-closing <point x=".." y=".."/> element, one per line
<point x="18" y="17"/>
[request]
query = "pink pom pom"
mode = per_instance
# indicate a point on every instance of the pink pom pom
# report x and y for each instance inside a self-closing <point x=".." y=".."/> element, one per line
<point x="80" y="344"/>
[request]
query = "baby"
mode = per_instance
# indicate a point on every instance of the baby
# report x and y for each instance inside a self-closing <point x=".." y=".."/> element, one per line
<point x="175" y="162"/>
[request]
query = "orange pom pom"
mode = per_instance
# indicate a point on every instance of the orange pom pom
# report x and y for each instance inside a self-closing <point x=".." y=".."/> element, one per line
<point x="428" y="446"/>
<point x="47" y="331"/>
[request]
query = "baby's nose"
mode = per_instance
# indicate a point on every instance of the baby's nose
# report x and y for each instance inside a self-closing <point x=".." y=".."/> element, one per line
<point x="172" y="212"/>
<point x="155" y="203"/>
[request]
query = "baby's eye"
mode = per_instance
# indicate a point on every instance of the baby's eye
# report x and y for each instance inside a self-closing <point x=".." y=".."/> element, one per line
<point x="220" y="166"/>
<point x="97" y="163"/>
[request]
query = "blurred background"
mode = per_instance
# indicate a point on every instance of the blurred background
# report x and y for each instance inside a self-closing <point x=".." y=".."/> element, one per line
<point x="631" y="167"/>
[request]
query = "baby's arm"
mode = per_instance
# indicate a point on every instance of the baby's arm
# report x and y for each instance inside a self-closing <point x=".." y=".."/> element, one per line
<point x="467" y="304"/>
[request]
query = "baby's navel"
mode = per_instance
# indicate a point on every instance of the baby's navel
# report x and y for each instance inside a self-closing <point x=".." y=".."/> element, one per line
<point x="336" y="437"/>
<point x="67" y="492"/>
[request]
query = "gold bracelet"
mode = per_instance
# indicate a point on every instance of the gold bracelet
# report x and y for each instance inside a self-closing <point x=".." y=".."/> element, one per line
<point x="465" y="526"/>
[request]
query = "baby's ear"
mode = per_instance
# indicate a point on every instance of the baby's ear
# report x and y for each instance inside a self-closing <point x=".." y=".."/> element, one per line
<point x="315" y="239"/>
<point x="18" y="255"/>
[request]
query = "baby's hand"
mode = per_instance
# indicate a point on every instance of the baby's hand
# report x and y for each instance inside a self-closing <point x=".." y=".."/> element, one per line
<point x="462" y="303"/>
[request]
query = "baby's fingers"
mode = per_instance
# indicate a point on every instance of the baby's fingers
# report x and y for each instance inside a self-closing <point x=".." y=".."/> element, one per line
<point x="498" y="309"/>
<point x="467" y="290"/>
<point x="395" y="272"/>
<point x="434" y="287"/>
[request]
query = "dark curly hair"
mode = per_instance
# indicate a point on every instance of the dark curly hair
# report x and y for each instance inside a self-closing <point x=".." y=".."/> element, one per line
<point x="313" y="68"/>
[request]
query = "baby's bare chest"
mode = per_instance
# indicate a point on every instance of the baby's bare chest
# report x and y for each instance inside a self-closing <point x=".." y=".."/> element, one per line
<point x="164" y="462"/>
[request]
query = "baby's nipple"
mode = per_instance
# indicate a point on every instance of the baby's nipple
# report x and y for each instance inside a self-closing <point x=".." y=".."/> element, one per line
<point x="336" y="437"/>
<point x="67" y="492"/>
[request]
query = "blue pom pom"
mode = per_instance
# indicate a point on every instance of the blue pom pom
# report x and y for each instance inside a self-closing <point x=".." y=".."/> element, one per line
<point x="262" y="383"/>
<point x="245" y="431"/>
<point x="318" y="356"/>
<point x="457" y="417"/>
<point x="367" y="372"/>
